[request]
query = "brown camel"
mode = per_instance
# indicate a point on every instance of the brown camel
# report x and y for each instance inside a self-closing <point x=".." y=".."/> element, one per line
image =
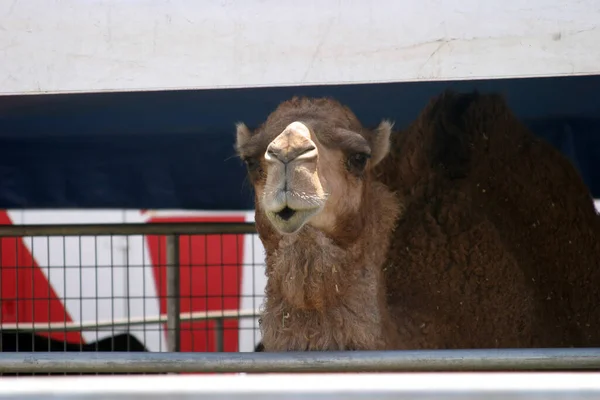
<point x="463" y="231"/>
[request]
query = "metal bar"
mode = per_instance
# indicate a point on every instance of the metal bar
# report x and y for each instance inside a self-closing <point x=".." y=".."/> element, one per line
<point x="173" y="293"/>
<point x="124" y="322"/>
<point x="170" y="228"/>
<point x="218" y="335"/>
<point x="347" y="361"/>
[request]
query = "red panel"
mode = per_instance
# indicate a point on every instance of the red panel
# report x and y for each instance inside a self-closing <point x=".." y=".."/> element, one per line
<point x="25" y="294"/>
<point x="211" y="279"/>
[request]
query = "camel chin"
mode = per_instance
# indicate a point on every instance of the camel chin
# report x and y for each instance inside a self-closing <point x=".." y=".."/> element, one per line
<point x="289" y="221"/>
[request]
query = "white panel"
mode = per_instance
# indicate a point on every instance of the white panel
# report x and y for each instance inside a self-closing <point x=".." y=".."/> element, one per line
<point x="16" y="216"/>
<point x="254" y="281"/>
<point x="103" y="45"/>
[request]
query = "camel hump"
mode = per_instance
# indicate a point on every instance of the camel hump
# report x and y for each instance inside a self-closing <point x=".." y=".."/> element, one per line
<point x="452" y="141"/>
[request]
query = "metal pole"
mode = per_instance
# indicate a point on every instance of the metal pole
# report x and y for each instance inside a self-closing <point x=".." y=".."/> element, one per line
<point x="348" y="361"/>
<point x="124" y="322"/>
<point x="218" y="335"/>
<point x="163" y="228"/>
<point x="173" y="294"/>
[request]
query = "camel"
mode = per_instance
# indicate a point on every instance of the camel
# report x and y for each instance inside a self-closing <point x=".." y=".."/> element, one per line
<point x="462" y="231"/>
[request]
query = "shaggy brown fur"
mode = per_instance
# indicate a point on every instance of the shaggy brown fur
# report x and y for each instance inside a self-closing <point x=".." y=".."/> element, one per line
<point x="471" y="233"/>
<point x="500" y="242"/>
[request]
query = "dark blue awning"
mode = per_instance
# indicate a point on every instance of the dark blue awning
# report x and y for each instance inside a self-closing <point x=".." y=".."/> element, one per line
<point x="175" y="149"/>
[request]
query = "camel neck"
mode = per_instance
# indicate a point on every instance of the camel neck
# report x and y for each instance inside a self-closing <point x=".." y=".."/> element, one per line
<point x="314" y="273"/>
<point x="314" y="282"/>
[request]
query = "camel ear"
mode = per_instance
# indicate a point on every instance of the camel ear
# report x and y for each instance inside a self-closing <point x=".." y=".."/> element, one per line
<point x="380" y="141"/>
<point x="242" y="136"/>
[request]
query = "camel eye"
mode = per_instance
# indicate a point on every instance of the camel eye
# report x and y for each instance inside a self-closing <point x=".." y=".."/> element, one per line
<point x="252" y="164"/>
<point x="358" y="161"/>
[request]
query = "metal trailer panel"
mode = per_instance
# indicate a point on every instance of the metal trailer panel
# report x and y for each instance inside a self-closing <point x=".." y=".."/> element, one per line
<point x="115" y="45"/>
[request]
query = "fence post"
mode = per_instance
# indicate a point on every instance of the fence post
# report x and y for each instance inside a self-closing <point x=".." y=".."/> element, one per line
<point x="219" y="335"/>
<point x="173" y="294"/>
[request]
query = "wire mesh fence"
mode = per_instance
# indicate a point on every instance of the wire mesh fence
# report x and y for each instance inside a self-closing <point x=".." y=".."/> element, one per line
<point x="151" y="287"/>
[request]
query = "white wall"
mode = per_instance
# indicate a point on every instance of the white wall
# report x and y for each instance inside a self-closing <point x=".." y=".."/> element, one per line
<point x="106" y="45"/>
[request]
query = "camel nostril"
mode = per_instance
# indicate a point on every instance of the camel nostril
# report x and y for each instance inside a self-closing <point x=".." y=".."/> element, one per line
<point x="288" y="155"/>
<point x="276" y="153"/>
<point x="308" y="149"/>
<point x="273" y="154"/>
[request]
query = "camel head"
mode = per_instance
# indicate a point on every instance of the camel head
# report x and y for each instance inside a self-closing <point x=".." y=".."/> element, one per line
<point x="310" y="162"/>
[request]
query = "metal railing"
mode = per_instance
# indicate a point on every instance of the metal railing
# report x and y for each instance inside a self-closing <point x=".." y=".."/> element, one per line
<point x="195" y="316"/>
<point x="159" y="228"/>
<point x="342" y="361"/>
<point x="216" y="316"/>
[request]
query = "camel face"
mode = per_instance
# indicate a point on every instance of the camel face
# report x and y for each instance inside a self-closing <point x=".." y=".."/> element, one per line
<point x="309" y="162"/>
<point x="293" y="192"/>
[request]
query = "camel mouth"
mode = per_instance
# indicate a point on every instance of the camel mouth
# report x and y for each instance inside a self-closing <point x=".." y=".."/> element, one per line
<point x="288" y="220"/>
<point x="286" y="214"/>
